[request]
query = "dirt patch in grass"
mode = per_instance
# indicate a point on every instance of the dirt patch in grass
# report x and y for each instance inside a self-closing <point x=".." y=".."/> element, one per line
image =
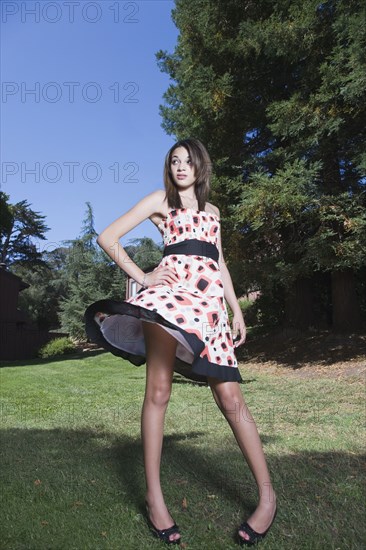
<point x="306" y="354"/>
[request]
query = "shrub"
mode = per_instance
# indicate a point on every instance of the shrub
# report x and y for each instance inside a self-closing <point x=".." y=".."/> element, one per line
<point x="59" y="346"/>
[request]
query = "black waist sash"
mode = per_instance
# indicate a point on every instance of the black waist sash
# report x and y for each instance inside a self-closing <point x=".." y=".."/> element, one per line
<point x="193" y="247"/>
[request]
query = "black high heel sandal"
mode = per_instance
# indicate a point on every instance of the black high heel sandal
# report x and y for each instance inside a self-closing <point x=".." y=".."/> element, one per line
<point x="163" y="534"/>
<point x="254" y="537"/>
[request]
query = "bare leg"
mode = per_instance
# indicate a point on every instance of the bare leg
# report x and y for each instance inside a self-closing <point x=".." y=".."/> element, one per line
<point x="160" y="358"/>
<point x="229" y="399"/>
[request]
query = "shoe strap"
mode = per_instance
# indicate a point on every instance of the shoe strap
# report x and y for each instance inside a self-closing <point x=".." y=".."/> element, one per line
<point x="170" y="531"/>
<point x="250" y="531"/>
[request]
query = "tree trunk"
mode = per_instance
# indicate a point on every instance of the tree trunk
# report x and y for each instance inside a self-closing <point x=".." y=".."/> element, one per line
<point x="299" y="310"/>
<point x="346" y="306"/>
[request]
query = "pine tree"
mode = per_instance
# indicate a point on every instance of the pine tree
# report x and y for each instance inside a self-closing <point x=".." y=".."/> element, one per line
<point x="277" y="90"/>
<point x="19" y="226"/>
<point x="90" y="274"/>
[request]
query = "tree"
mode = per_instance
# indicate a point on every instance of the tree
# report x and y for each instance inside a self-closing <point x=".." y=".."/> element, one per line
<point x="145" y="252"/>
<point x="277" y="90"/>
<point x="19" y="225"/>
<point x="47" y="287"/>
<point x="91" y="275"/>
<point x="88" y="233"/>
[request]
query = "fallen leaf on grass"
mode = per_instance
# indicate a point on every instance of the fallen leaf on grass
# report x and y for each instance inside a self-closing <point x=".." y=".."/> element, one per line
<point x="44" y="522"/>
<point x="180" y="481"/>
<point x="37" y="482"/>
<point x="103" y="533"/>
<point x="78" y="503"/>
<point x="184" y="503"/>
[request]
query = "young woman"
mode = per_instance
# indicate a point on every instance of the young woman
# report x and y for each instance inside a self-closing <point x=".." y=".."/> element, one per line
<point x="178" y="321"/>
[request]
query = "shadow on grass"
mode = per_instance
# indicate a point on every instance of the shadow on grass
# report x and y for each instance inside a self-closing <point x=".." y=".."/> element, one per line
<point x="63" y="485"/>
<point x="38" y="361"/>
<point x="295" y="349"/>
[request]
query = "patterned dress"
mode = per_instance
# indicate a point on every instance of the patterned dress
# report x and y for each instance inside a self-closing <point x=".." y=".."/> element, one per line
<point x="192" y="309"/>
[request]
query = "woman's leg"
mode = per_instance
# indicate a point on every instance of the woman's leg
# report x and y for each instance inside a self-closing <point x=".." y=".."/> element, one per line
<point x="230" y="401"/>
<point x="160" y="358"/>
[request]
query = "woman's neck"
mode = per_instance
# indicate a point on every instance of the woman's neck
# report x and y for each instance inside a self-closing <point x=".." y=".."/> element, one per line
<point x="188" y="200"/>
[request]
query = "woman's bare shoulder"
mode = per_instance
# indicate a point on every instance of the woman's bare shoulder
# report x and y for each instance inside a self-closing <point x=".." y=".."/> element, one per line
<point x="158" y="194"/>
<point x="212" y="208"/>
<point x="156" y="199"/>
<point x="145" y="208"/>
<point x="160" y="198"/>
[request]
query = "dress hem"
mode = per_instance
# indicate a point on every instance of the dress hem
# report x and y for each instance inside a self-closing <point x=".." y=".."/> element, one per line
<point x="198" y="371"/>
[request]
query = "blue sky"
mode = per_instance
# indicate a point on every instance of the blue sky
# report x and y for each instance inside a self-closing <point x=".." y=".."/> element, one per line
<point x="90" y="130"/>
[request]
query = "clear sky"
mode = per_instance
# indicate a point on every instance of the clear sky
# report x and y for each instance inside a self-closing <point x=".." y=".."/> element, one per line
<point x="81" y="90"/>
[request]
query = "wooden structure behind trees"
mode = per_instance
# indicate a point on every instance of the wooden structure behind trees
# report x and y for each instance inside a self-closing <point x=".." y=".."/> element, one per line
<point x="20" y="338"/>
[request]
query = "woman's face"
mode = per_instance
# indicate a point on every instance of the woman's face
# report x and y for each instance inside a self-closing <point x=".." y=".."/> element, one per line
<point x="182" y="169"/>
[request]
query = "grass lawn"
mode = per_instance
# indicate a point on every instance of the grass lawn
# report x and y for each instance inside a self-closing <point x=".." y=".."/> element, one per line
<point x="72" y="471"/>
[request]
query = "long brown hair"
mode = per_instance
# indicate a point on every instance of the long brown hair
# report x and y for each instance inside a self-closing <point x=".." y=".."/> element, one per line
<point x="203" y="168"/>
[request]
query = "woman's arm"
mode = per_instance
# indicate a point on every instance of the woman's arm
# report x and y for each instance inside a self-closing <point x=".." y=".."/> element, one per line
<point x="108" y="239"/>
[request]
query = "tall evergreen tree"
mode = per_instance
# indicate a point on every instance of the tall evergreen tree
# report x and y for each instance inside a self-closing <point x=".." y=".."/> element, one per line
<point x="88" y="233"/>
<point x="19" y="226"/>
<point x="91" y="275"/>
<point x="277" y="90"/>
<point x="47" y="287"/>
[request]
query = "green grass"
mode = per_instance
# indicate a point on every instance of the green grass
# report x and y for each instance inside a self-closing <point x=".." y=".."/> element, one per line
<point x="72" y="471"/>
